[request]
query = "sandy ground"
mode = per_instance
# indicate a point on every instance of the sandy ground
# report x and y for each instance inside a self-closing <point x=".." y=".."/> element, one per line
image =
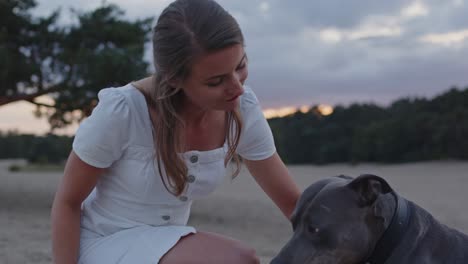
<point x="238" y="209"/>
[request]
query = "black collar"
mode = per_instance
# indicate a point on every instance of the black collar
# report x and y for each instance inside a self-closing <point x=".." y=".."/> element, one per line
<point x="393" y="234"/>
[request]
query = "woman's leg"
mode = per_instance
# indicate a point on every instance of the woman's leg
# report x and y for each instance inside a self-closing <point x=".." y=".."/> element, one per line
<point x="209" y="248"/>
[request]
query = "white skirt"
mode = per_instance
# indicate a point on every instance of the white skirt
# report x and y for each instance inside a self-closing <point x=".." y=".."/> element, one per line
<point x="143" y="244"/>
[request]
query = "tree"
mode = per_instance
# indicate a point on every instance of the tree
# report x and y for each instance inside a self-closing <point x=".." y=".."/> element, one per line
<point x="410" y="129"/>
<point x="70" y="63"/>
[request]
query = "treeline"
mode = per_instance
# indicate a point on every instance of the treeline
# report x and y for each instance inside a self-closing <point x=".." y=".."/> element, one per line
<point x="406" y="131"/>
<point x="48" y="149"/>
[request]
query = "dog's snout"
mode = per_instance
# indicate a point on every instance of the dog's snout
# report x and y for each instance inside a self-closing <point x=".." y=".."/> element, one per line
<point x="277" y="261"/>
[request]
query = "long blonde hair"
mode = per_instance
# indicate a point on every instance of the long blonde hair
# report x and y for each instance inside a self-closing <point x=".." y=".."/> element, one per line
<point x="186" y="29"/>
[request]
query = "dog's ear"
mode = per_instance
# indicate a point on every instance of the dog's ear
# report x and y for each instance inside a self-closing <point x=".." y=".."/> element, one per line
<point x="369" y="187"/>
<point x="384" y="208"/>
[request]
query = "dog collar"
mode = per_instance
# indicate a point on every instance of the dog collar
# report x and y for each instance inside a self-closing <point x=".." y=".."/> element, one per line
<point x="393" y="234"/>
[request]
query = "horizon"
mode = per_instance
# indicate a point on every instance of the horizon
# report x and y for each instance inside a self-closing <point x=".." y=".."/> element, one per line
<point x="331" y="53"/>
<point x="19" y="116"/>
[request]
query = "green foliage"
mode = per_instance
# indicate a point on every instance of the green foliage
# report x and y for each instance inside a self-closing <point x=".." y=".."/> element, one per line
<point x="408" y="130"/>
<point x="101" y="51"/>
<point x="48" y="149"/>
<point x="36" y="167"/>
<point x="15" y="27"/>
<point x="14" y="168"/>
<point x="71" y="63"/>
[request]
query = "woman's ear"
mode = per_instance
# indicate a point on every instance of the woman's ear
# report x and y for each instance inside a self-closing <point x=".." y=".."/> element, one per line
<point x="175" y="83"/>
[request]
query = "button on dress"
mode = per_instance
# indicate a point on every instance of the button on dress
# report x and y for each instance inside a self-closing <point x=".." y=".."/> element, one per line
<point x="130" y="217"/>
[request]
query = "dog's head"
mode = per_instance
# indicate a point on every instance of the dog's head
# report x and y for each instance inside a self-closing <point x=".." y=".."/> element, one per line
<point x="339" y="220"/>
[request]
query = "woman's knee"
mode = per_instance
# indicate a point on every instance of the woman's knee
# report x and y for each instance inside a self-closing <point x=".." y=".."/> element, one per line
<point x="246" y="255"/>
<point x="250" y="256"/>
<point x="232" y="251"/>
<point x="210" y="248"/>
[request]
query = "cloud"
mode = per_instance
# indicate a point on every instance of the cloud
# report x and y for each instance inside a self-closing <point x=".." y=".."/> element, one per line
<point x="458" y="3"/>
<point x="328" y="35"/>
<point x="339" y="51"/>
<point x="364" y="31"/>
<point x="415" y="9"/>
<point x="264" y="7"/>
<point x="374" y="26"/>
<point x="446" y="39"/>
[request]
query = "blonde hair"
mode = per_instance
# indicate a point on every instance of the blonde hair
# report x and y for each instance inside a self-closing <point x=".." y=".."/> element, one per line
<point x="186" y="29"/>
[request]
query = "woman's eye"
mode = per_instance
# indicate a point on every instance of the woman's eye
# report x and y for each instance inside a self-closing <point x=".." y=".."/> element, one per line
<point x="240" y="67"/>
<point x="215" y="83"/>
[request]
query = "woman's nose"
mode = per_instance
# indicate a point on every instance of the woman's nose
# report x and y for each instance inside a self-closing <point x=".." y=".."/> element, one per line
<point x="237" y="87"/>
<point x="238" y="82"/>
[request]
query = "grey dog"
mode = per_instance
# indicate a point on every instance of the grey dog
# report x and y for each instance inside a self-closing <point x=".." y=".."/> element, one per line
<point x="345" y="220"/>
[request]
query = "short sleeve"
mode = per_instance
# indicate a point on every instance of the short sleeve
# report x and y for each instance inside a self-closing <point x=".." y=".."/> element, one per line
<point x="102" y="137"/>
<point x="256" y="140"/>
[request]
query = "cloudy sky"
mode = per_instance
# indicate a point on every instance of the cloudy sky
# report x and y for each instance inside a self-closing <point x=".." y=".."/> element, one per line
<point x="305" y="52"/>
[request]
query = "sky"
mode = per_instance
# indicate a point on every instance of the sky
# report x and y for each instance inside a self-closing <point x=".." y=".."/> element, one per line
<point x="304" y="52"/>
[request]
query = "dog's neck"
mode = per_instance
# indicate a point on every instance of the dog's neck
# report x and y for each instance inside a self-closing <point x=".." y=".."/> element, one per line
<point x="393" y="233"/>
<point x="423" y="229"/>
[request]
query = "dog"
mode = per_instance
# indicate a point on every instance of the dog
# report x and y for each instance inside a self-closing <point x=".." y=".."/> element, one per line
<point x="345" y="220"/>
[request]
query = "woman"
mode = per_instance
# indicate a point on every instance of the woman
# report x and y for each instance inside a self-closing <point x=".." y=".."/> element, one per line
<point x="151" y="147"/>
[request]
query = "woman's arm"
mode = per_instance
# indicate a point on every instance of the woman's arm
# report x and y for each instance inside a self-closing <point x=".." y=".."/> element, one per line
<point x="78" y="181"/>
<point x="274" y="178"/>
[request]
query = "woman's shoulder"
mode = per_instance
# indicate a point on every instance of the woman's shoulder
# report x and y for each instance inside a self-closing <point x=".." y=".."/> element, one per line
<point x="250" y="107"/>
<point x="248" y="98"/>
<point x="119" y="108"/>
<point x="124" y="92"/>
<point x="124" y="96"/>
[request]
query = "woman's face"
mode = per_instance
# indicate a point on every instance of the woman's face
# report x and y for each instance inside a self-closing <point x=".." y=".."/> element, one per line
<point x="216" y="79"/>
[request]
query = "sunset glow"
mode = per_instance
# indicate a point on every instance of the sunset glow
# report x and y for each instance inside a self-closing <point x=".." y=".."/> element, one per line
<point x="285" y="111"/>
<point x="20" y="117"/>
<point x="325" y="109"/>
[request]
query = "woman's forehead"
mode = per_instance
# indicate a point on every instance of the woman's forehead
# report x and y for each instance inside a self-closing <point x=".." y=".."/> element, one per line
<point x="217" y="62"/>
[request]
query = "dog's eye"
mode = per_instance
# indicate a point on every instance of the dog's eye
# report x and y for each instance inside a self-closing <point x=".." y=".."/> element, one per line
<point x="313" y="229"/>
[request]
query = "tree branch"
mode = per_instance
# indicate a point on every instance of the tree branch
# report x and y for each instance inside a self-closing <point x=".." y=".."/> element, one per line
<point x="30" y="97"/>
<point x="40" y="104"/>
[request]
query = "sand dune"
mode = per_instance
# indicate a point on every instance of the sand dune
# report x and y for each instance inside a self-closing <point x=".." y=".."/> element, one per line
<point x="238" y="209"/>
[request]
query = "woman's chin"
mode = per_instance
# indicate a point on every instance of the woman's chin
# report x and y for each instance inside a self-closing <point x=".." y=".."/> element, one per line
<point x="232" y="105"/>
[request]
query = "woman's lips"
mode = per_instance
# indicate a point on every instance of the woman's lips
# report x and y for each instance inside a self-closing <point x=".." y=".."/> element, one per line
<point x="233" y="98"/>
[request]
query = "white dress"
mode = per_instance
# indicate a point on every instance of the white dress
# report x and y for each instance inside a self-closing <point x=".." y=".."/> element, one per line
<point x="130" y="217"/>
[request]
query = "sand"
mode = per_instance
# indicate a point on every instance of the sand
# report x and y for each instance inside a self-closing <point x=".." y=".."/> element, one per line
<point x="238" y="209"/>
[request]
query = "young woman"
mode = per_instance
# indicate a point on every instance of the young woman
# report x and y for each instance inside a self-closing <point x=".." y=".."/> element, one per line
<point x="151" y="147"/>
